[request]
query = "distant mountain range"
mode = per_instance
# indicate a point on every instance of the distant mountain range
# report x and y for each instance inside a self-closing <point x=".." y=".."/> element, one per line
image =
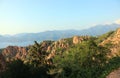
<point x="24" y="39"/>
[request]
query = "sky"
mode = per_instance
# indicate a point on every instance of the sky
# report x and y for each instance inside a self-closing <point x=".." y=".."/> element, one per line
<point x="30" y="16"/>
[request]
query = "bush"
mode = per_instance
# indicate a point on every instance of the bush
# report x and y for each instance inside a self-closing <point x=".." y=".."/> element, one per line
<point x="16" y="69"/>
<point x="85" y="60"/>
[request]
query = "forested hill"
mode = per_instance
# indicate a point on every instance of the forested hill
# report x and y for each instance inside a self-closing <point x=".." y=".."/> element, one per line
<point x="75" y="57"/>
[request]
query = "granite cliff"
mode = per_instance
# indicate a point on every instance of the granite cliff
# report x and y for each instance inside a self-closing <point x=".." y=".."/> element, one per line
<point x="14" y="52"/>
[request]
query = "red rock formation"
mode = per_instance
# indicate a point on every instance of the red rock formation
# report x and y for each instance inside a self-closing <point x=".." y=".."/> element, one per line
<point x="114" y="41"/>
<point x="75" y="39"/>
<point x="15" y="52"/>
<point x="79" y="39"/>
<point x="53" y="48"/>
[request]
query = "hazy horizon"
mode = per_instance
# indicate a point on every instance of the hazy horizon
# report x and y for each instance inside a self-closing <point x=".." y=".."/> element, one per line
<point x="93" y="26"/>
<point x="27" y="16"/>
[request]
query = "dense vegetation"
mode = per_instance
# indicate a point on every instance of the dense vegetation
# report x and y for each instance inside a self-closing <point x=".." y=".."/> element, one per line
<point x="83" y="60"/>
<point x="1" y="50"/>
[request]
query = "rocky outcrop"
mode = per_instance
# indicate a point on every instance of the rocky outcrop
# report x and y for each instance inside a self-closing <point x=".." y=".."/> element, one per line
<point x="114" y="39"/>
<point x="14" y="52"/>
<point x="114" y="74"/>
<point x="57" y="47"/>
<point x="113" y="42"/>
<point x="62" y="45"/>
<point x="53" y="47"/>
<point x="79" y="39"/>
<point x="45" y="45"/>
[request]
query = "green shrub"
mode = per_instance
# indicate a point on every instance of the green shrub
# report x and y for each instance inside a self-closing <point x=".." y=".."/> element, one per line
<point x="85" y="60"/>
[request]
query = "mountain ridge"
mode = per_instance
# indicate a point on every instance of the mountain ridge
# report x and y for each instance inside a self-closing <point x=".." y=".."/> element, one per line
<point x="24" y="39"/>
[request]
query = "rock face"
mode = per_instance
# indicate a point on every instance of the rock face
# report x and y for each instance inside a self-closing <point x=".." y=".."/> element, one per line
<point x="77" y="39"/>
<point x="114" y="74"/>
<point x="57" y="47"/>
<point x="14" y="52"/>
<point x="2" y="63"/>
<point x="114" y="41"/>
<point x="64" y="44"/>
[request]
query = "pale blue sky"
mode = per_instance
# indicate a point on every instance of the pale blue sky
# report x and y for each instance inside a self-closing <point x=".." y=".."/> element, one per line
<point x="19" y="16"/>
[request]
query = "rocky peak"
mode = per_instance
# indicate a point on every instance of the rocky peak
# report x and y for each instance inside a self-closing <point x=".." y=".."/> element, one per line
<point x="55" y="46"/>
<point x="63" y="44"/>
<point x="114" y="42"/>
<point x="114" y="39"/>
<point x="14" y="52"/>
<point x="79" y="39"/>
<point x="45" y="45"/>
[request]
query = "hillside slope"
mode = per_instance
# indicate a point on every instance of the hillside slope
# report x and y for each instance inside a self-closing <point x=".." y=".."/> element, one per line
<point x="113" y="42"/>
<point x="73" y="54"/>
